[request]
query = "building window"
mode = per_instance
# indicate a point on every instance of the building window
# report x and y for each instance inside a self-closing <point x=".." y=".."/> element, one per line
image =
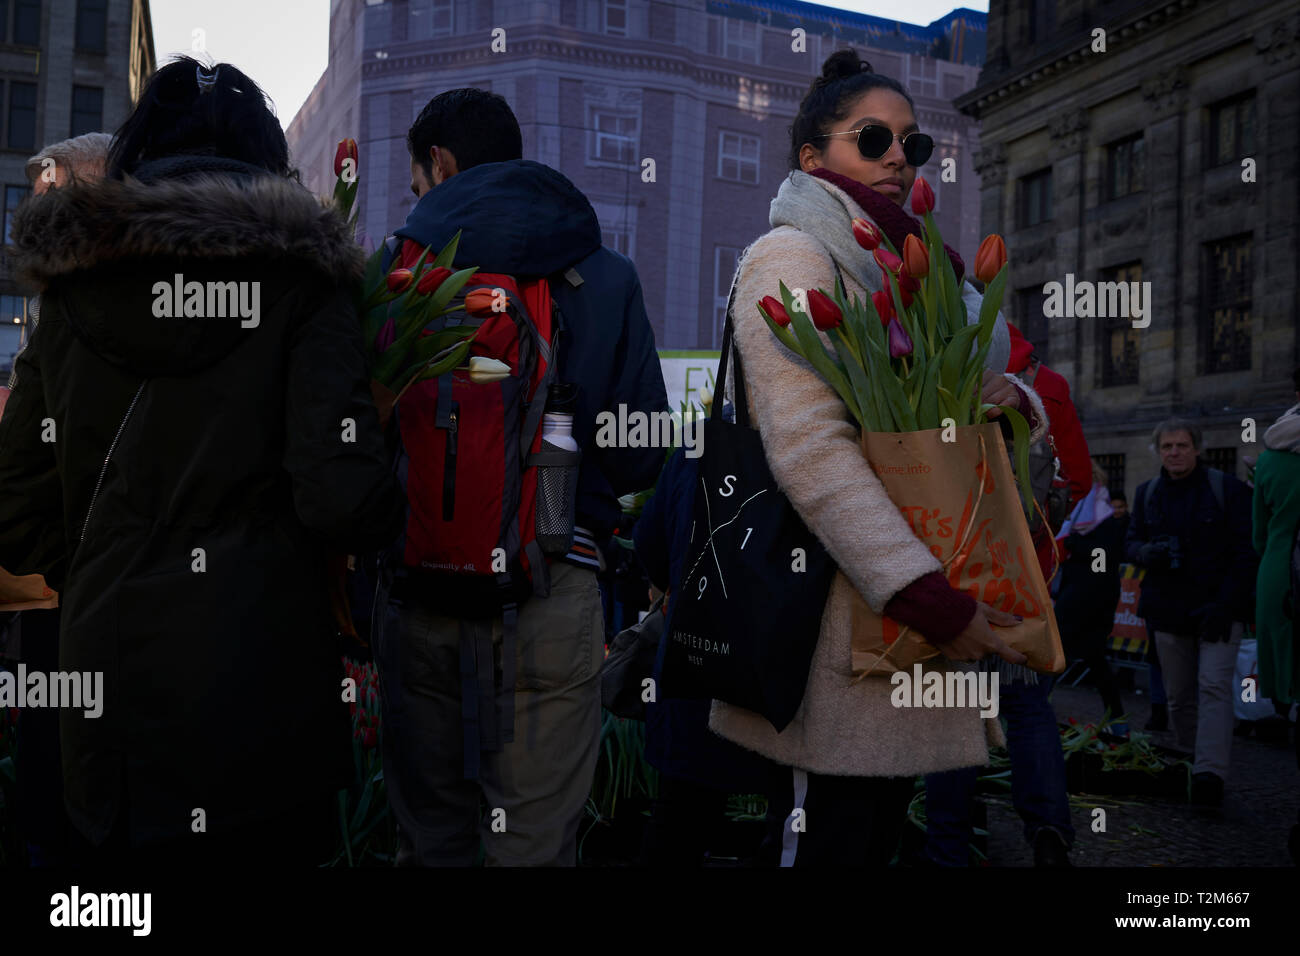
<point x="1031" y="321"/>
<point x="1224" y="459"/>
<point x="1226" y="277"/>
<point x="27" y="22"/>
<point x="22" y="115"/>
<point x="87" y="110"/>
<point x="1125" y="167"/>
<point x="616" y="17"/>
<point x="92" y="26"/>
<point x="1036" y="198"/>
<point x="737" y="157"/>
<point x="13" y="196"/>
<point x="13" y="328"/>
<point x="1113" y="466"/>
<point x="1232" y="130"/>
<point x="428" y="19"/>
<point x="740" y="40"/>
<point x="614" y="137"/>
<point x="923" y="75"/>
<point x="724" y="268"/>
<point x="617" y="238"/>
<point x="1117" y="361"/>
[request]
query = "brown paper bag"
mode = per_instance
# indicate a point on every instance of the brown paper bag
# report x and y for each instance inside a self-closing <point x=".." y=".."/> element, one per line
<point x="961" y="499"/>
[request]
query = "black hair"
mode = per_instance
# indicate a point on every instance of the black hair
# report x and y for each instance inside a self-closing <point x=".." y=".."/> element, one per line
<point x="233" y="119"/>
<point x="476" y="126"/>
<point x="1118" y="496"/>
<point x="845" y="77"/>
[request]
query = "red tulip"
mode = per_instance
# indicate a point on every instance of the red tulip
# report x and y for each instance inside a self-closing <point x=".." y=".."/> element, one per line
<point x="771" y="305"/>
<point x="900" y="343"/>
<point x="884" y="304"/>
<point x="906" y="282"/>
<point x="905" y="294"/>
<point x="430" y="281"/>
<point x="399" y="280"/>
<point x="990" y="259"/>
<point x="887" y="260"/>
<point x="347" y="149"/>
<point x="825" y="313"/>
<point x="922" y="197"/>
<point x="370" y="738"/>
<point x="479" y="302"/>
<point x="916" y="256"/>
<point x="866" y="233"/>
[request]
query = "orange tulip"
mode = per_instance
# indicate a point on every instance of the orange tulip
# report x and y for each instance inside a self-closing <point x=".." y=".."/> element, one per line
<point x="479" y="302"/>
<point x="915" y="256"/>
<point x="990" y="259"/>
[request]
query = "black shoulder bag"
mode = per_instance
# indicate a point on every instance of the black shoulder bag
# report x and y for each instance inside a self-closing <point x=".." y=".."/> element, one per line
<point x="755" y="580"/>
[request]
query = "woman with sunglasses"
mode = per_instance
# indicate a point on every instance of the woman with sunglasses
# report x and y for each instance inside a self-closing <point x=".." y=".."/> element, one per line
<point x="849" y="758"/>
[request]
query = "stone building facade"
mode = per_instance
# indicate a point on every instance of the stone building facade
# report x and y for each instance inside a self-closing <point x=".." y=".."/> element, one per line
<point x="67" y="67"/>
<point x="1171" y="156"/>
<point x="704" y="88"/>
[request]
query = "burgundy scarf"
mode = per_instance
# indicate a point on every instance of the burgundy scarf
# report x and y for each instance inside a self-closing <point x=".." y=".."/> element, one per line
<point x="891" y="218"/>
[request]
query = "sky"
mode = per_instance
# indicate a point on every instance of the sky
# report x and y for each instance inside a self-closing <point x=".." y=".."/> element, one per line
<point x="284" y="44"/>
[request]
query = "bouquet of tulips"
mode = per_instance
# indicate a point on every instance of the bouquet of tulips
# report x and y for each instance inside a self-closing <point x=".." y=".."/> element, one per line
<point x="412" y="299"/>
<point x="905" y="358"/>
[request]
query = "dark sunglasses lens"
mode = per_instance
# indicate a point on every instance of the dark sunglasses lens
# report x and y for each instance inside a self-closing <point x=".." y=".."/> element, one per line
<point x="874" y="141"/>
<point x="918" y="148"/>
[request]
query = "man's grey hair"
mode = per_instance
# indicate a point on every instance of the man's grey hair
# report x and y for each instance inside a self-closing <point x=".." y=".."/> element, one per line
<point x="1176" y="425"/>
<point x="82" y="156"/>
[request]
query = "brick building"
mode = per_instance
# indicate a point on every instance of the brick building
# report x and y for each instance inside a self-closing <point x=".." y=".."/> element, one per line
<point x="67" y="67"/>
<point x="704" y="88"/>
<point x="1171" y="157"/>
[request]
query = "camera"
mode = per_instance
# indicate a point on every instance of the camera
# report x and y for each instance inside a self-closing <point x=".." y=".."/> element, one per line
<point x="1169" y="545"/>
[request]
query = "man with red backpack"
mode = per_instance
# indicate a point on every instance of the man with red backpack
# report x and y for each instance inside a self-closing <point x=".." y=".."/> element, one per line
<point x="488" y="626"/>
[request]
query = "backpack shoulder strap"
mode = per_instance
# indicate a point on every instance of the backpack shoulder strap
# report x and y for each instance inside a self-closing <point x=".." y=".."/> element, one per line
<point x="1218" y="483"/>
<point x="1147" y="497"/>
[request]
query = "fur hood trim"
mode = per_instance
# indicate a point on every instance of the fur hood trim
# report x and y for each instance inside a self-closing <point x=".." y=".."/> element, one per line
<point x="203" y="217"/>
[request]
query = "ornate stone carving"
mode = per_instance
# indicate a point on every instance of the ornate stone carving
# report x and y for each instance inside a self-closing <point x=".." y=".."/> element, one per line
<point x="1277" y="42"/>
<point x="1166" y="92"/>
<point x="991" y="163"/>
<point x="1068" y="131"/>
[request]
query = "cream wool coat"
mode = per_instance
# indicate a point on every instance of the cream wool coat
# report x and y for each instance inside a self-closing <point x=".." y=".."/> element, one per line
<point x="812" y="447"/>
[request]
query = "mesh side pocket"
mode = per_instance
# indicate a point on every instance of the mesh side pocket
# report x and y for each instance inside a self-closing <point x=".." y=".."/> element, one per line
<point x="557" y="494"/>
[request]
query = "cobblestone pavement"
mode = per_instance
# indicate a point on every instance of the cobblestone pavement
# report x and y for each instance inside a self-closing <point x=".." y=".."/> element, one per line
<point x="1262" y="795"/>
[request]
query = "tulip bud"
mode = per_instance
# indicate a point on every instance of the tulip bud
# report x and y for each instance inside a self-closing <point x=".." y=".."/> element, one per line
<point x="887" y="260"/>
<point x="347" y="149"/>
<point x="916" y="256"/>
<point x="483" y="370"/>
<point x="906" y="282"/>
<point x="430" y="281"/>
<point x="866" y="234"/>
<point x="922" y="197"/>
<point x="706" y="396"/>
<point x="479" y="302"/>
<point x="399" y="280"/>
<point x="771" y="305"/>
<point x="825" y="313"/>
<point x="900" y="343"/>
<point x="990" y="259"/>
<point x="884" y="304"/>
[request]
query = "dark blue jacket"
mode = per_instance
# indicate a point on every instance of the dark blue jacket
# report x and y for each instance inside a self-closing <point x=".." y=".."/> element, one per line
<point x="1218" y="560"/>
<point x="527" y="220"/>
<point x="678" y="740"/>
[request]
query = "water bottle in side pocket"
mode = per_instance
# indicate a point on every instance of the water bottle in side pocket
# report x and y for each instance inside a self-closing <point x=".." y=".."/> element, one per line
<point x="557" y="471"/>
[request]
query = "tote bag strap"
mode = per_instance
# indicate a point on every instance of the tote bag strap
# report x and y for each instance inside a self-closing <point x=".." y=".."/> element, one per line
<point x="740" y="401"/>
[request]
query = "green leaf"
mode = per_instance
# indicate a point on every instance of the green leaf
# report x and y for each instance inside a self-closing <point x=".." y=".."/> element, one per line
<point x="812" y="349"/>
<point x="956" y="355"/>
<point x="1020" y="435"/>
<point x="927" y="412"/>
<point x="992" y="301"/>
<point x="449" y="288"/>
<point x="447" y="256"/>
<point x="862" y="388"/>
<point x="446" y="364"/>
<point x="893" y="390"/>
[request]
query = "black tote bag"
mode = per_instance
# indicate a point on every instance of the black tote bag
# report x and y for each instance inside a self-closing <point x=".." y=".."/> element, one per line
<point x="755" y="580"/>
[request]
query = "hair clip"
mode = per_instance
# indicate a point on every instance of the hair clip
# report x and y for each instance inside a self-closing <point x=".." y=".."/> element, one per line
<point x="205" y="79"/>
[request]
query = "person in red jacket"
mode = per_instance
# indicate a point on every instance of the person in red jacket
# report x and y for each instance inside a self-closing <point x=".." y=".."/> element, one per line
<point x="1064" y="430"/>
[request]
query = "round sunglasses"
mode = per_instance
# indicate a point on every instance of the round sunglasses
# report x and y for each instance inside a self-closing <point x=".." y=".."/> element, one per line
<point x="875" y="141"/>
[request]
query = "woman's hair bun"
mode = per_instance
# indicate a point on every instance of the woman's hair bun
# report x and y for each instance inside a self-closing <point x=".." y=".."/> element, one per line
<point x="840" y="64"/>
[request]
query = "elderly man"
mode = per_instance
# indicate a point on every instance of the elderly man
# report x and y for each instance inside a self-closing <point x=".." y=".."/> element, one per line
<point x="1191" y="530"/>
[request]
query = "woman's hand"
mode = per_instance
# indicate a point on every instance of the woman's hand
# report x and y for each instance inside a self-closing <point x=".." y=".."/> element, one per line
<point x="998" y="390"/>
<point x="978" y="640"/>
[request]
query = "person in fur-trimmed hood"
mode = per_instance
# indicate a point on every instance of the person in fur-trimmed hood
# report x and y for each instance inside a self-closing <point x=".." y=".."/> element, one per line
<point x="849" y="757"/>
<point x="177" y="462"/>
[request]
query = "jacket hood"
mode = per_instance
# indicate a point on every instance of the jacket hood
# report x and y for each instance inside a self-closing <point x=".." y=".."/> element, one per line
<point x="100" y="251"/>
<point x="1284" y="434"/>
<point x="517" y="217"/>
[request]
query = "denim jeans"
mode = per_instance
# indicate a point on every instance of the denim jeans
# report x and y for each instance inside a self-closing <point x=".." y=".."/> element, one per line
<point x="1037" y="778"/>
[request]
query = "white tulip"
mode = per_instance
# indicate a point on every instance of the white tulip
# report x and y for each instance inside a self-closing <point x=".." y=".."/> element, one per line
<point x="483" y="370"/>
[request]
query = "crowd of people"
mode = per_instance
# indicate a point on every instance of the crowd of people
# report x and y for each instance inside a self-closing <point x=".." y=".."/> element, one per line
<point x="184" y="485"/>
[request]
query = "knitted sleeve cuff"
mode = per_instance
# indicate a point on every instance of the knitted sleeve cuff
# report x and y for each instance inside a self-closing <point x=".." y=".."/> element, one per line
<point x="933" y="607"/>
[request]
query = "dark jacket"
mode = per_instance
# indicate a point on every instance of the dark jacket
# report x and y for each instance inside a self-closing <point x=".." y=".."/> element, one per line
<point x="524" y="219"/>
<point x="678" y="740"/>
<point x="1087" y="599"/>
<point x="1217" y="560"/>
<point x="199" y="587"/>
